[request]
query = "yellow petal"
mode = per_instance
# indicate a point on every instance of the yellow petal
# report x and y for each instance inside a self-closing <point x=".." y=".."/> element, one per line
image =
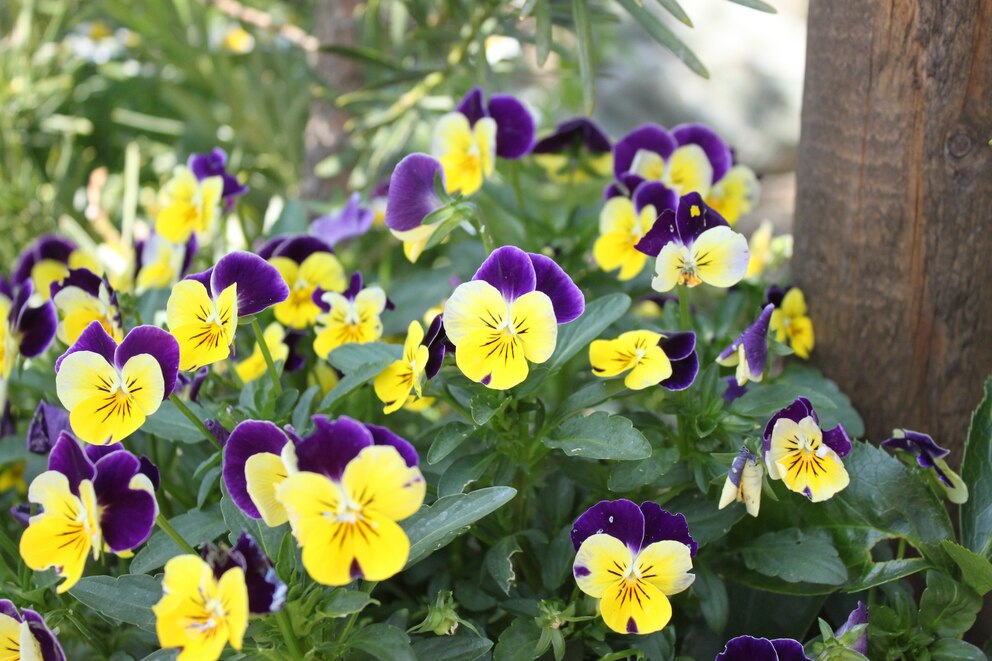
<point x="379" y="480"/>
<point x="794" y="303"/>
<point x="473" y="306"/>
<point x="666" y="565"/>
<point x="264" y="472"/>
<point x="233" y="595"/>
<point x="393" y="385"/>
<point x="721" y="256"/>
<point x="635" y="607"/>
<point x="689" y="171"/>
<point x="45" y="273"/>
<point x="648" y="164"/>
<point x="494" y="355"/>
<point x="801" y="336"/>
<point x="652" y="368"/>
<point x="669" y="267"/>
<point x="534" y="323"/>
<point x="82" y="375"/>
<point x="601" y="561"/>
<point x="735" y="194"/>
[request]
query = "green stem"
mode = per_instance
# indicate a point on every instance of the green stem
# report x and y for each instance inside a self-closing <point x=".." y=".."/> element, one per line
<point x="367" y="587"/>
<point x="288" y="637"/>
<point x="901" y="551"/>
<point x="185" y="410"/>
<point x="269" y="363"/>
<point x="487" y="240"/>
<point x="8" y="544"/>
<point x="518" y="192"/>
<point x="173" y="534"/>
<point x="684" y="307"/>
<point x="83" y="631"/>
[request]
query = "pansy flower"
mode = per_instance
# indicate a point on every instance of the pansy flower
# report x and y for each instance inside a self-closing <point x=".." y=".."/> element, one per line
<point x="214" y="164"/>
<point x="203" y="310"/>
<point x="199" y="612"/>
<point x="422" y="358"/>
<point x="25" y="330"/>
<point x="733" y="391"/>
<point x="694" y="244"/>
<point x="749" y="352"/>
<point x="352" y="316"/>
<point x="342" y="488"/>
<point x="743" y="483"/>
<point x="48" y="260"/>
<point x="254" y="366"/>
<point x="789" y="321"/>
<point x="160" y="263"/>
<point x="632" y="559"/>
<point x="82" y="298"/>
<point x="623" y="222"/>
<point x="92" y="500"/>
<point x="805" y="457"/>
<point x="854" y="632"/>
<point x="352" y="220"/>
<point x="412" y="197"/>
<point x="305" y="263"/>
<point x="24" y="635"/>
<point x="110" y="389"/>
<point x="508" y="315"/>
<point x="188" y="206"/>
<point x="648" y="358"/>
<point x="929" y="455"/>
<point x="47" y="424"/>
<point x="266" y="591"/>
<point x="575" y="151"/>
<point x="467" y="141"/>
<point x="749" y="648"/>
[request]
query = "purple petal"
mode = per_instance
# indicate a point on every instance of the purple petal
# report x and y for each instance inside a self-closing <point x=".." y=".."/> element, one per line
<point x="269" y="247"/>
<point x="21" y="513"/>
<point x="196" y="381"/>
<point x="332" y="445"/>
<point x="249" y="438"/>
<point x="94" y="339"/>
<point x="158" y="344"/>
<point x="684" y="373"/>
<point x="510" y="270"/>
<point x="217" y="430"/>
<point x="48" y="423"/>
<point x="694" y="217"/>
<point x="70" y="460"/>
<point x="203" y="277"/>
<point x="150" y="470"/>
<point x="85" y="279"/>
<point x="295" y="360"/>
<point x="733" y="390"/>
<point x="266" y="592"/>
<point x="384" y="436"/>
<point x="660" y="235"/>
<point x="351" y="221"/>
<point x="678" y="344"/>
<point x="300" y="246"/>
<point x="35" y="325"/>
<point x="921" y="445"/>
<point x="625" y="186"/>
<point x="660" y="525"/>
<point x="789" y="650"/>
<point x="355" y="285"/>
<point x="580" y="131"/>
<point x="837" y="440"/>
<point x="97" y="452"/>
<point x="436" y="342"/>
<point x="412" y="196"/>
<point x="472" y="105"/>
<point x="210" y="164"/>
<point x="514" y="126"/>
<point x="48" y="246"/>
<point x="127" y="515"/>
<point x="649" y="137"/>
<point x="755" y="342"/>
<point x="259" y="283"/>
<point x="6" y="289"/>
<point x="717" y="151"/>
<point x="51" y="649"/>
<point x="748" y="648"/>
<point x="796" y="411"/>
<point x="8" y="608"/>
<point x="737" y="468"/>
<point x="566" y="297"/>
<point x="622" y="519"/>
<point x="858" y="616"/>
<point x="774" y="295"/>
<point x="656" y="194"/>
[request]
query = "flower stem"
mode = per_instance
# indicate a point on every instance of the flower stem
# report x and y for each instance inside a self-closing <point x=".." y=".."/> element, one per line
<point x="367" y="587"/>
<point x="684" y="307"/>
<point x="288" y="637"/>
<point x="173" y="534"/>
<point x="269" y="363"/>
<point x="185" y="410"/>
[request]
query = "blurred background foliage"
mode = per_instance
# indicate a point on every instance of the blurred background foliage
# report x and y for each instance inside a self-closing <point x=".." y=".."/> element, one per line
<point x="82" y="80"/>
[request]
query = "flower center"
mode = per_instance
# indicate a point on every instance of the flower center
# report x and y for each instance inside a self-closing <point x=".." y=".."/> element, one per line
<point x="687" y="269"/>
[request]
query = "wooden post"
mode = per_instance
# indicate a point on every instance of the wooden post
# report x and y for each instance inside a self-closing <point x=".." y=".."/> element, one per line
<point x="893" y="229"/>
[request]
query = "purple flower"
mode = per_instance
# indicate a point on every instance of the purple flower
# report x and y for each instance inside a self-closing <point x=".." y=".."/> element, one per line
<point x="35" y="636"/>
<point x="46" y="426"/>
<point x="733" y="390"/>
<point x="27" y="329"/>
<point x="214" y="164"/>
<point x="266" y="591"/>
<point x="412" y="197"/>
<point x="45" y="261"/>
<point x="749" y="352"/>
<point x="346" y="223"/>
<point x="514" y="123"/>
<point x="690" y="158"/>
<point x="572" y="135"/>
<point x="929" y="455"/>
<point x="748" y="648"/>
<point x="857" y="617"/>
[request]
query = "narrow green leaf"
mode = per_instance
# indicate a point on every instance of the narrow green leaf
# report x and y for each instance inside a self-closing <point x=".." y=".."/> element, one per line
<point x="600" y="436"/>
<point x="675" y="9"/>
<point x="587" y="70"/>
<point x="542" y="32"/>
<point x="168" y="423"/>
<point x="976" y="471"/>
<point x="664" y="36"/>
<point x="383" y="641"/>
<point x="760" y="5"/>
<point x="435" y="526"/>
<point x="360" y="363"/>
<point x="361" y="54"/>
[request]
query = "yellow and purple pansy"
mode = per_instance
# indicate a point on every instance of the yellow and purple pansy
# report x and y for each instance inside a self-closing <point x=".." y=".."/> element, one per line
<point x="188" y="206"/>
<point x="160" y="263"/>
<point x="82" y="298"/>
<point x="266" y="591"/>
<point x="200" y="612"/>
<point x="507" y="316"/>
<point x="648" y="358"/>
<point x="929" y="455"/>
<point x="24" y="636"/>
<point x="576" y="151"/>
<point x="789" y="321"/>
<point x="804" y="456"/>
<point x="632" y="559"/>
<point x="351" y="316"/>
<point x="694" y="244"/>
<point x="110" y="389"/>
<point x="47" y="261"/>
<point x="412" y="197"/>
<point x="25" y="330"/>
<point x="749" y="352"/>
<point x="203" y="309"/>
<point x="214" y="164"/>
<point x="743" y="483"/>
<point x="93" y="500"/>
<point x="853" y="634"/>
<point x="749" y="648"/>
<point x="305" y="263"/>
<point x="422" y="358"/>
<point x="624" y="221"/>
<point x="342" y="488"/>
<point x="352" y="220"/>
<point x="468" y="140"/>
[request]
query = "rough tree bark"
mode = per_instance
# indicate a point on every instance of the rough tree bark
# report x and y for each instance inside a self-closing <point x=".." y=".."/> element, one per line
<point x="335" y="24"/>
<point x="894" y="203"/>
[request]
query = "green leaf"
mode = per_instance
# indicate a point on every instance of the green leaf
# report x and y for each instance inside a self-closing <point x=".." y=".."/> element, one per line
<point x="713" y="600"/>
<point x="301" y="415"/>
<point x="447" y="439"/>
<point x="976" y="471"/>
<point x="128" y="599"/>
<point x="542" y="31"/>
<point x="599" y="436"/>
<point x="196" y="527"/>
<point x="383" y="641"/>
<point x="796" y="556"/>
<point x="706" y="522"/>
<point x="664" y="36"/>
<point x="451" y="648"/>
<point x="361" y="54"/>
<point x="237" y="522"/>
<point x="435" y="526"/>
<point x="976" y="570"/>
<point x="463" y="472"/>
<point x="634" y="475"/>
<point x="951" y="649"/>
<point x="587" y="70"/>
<point x="499" y="562"/>
<point x="760" y="5"/>
<point x="947" y="607"/>
<point x="345" y="602"/>
<point x="168" y="423"/>
<point x="675" y="9"/>
<point x="518" y="642"/>
<point x="886" y="571"/>
<point x="360" y="363"/>
<point x="292" y="219"/>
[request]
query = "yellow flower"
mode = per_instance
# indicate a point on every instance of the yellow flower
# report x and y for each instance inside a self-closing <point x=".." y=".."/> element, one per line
<point x="349" y="320"/>
<point x="393" y="385"/>
<point x="789" y="322"/>
<point x="466" y="152"/>
<point x="320" y="269"/>
<point x="204" y="327"/>
<point x="12" y="477"/>
<point x="254" y="366"/>
<point x="188" y="206"/>
<point x="798" y="456"/>
<point x="736" y="194"/>
<point x="636" y="352"/>
<point x="198" y="612"/>
<point x="620" y="228"/>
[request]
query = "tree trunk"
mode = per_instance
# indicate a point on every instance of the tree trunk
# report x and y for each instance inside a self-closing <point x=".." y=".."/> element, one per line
<point x="335" y="24"/>
<point x="894" y="207"/>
